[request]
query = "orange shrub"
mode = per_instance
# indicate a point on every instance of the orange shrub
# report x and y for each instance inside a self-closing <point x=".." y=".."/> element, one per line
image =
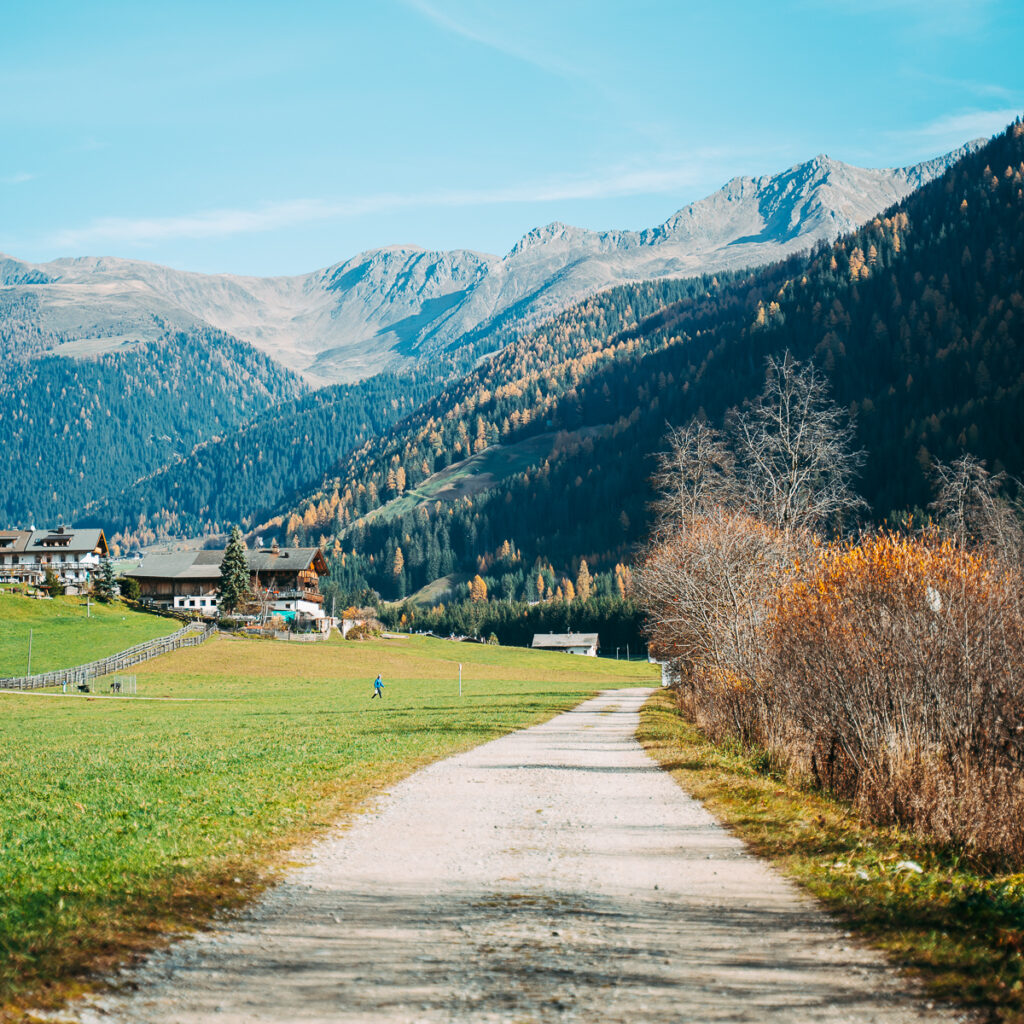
<point x="899" y="662"/>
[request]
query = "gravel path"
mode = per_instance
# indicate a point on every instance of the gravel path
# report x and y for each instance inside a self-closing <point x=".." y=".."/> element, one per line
<point x="553" y="875"/>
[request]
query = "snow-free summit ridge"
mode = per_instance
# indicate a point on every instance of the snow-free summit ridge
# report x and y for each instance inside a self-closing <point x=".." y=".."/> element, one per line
<point x="388" y="305"/>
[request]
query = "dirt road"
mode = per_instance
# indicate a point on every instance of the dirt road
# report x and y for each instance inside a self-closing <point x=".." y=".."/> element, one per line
<point x="553" y="875"/>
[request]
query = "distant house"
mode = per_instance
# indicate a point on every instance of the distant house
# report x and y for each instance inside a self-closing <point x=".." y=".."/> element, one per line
<point x="73" y="554"/>
<point x="285" y="581"/>
<point x="570" y="643"/>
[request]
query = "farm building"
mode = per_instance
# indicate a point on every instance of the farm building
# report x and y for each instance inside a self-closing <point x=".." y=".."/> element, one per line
<point x="284" y="581"/>
<point x="73" y="554"/>
<point x="571" y="643"/>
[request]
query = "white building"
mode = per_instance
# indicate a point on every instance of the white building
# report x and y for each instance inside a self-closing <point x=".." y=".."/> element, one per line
<point x="74" y="555"/>
<point x="571" y="643"/>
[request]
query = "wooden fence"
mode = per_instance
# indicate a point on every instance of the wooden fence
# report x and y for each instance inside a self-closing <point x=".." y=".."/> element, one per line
<point x="187" y="636"/>
<point x="309" y="638"/>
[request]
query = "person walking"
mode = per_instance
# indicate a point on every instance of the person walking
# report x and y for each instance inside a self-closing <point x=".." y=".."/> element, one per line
<point x="378" y="688"/>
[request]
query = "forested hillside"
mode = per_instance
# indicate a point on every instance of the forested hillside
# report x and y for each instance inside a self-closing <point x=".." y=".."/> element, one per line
<point x="74" y="429"/>
<point x="244" y="474"/>
<point x="916" y="317"/>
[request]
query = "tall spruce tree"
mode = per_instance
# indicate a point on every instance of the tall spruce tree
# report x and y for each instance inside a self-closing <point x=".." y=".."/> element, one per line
<point x="234" y="572"/>
<point x="105" y="584"/>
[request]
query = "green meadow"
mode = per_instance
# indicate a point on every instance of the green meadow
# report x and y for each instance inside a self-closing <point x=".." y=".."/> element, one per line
<point x="66" y="632"/>
<point x="125" y="819"/>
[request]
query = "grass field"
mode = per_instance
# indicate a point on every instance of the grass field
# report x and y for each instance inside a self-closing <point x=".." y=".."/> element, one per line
<point x="956" y="924"/>
<point x="63" y="634"/>
<point x="121" y="819"/>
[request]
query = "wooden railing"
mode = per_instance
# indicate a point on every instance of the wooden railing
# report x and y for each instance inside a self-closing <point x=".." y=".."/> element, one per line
<point x="188" y="636"/>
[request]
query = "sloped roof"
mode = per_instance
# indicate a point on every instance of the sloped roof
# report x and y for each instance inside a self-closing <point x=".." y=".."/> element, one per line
<point x="78" y="540"/>
<point x="31" y="541"/>
<point x="205" y="565"/>
<point x="178" y="565"/>
<point x="565" y="640"/>
<point x="286" y="560"/>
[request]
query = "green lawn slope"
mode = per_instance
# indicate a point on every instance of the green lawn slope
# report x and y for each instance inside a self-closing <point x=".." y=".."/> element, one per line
<point x="65" y="632"/>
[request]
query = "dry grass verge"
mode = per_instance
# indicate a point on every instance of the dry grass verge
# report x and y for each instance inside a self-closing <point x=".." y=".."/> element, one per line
<point x="956" y="926"/>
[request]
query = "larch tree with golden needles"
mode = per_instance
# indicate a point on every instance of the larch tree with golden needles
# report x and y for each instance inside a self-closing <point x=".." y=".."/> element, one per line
<point x="583" y="581"/>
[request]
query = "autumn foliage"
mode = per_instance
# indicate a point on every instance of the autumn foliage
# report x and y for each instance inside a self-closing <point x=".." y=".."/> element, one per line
<point x="888" y="670"/>
<point x="900" y="667"/>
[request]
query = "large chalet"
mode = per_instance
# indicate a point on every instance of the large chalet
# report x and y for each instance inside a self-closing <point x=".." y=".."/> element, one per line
<point x="284" y="581"/>
<point x="73" y="555"/>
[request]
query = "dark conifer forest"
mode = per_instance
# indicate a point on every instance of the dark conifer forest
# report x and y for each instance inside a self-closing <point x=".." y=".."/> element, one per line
<point x="916" y="318"/>
<point x="75" y="428"/>
<point x="242" y="475"/>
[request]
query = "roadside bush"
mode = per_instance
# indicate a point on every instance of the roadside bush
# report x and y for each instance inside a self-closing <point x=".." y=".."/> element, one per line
<point x="364" y="630"/>
<point x="707" y="591"/>
<point x="888" y="671"/>
<point x="899" y="664"/>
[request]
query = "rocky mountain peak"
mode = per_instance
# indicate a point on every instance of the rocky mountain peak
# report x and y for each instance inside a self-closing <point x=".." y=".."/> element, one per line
<point x="401" y="301"/>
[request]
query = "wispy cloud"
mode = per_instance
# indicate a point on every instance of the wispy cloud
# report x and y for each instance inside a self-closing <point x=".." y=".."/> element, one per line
<point x="988" y="90"/>
<point x="494" y="40"/>
<point x="670" y="177"/>
<point x="964" y="126"/>
<point x="17" y="179"/>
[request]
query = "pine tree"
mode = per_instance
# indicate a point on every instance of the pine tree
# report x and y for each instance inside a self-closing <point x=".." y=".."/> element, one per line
<point x="51" y="582"/>
<point x="104" y="584"/>
<point x="234" y="572"/>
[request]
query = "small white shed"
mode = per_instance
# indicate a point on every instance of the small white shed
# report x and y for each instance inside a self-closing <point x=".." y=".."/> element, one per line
<point x="570" y="643"/>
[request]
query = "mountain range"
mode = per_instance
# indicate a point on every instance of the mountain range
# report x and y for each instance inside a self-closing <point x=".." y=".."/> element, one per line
<point x="389" y="306"/>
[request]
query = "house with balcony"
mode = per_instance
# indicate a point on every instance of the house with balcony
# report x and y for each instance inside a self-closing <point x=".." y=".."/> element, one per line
<point x="284" y="582"/>
<point x="74" y="555"/>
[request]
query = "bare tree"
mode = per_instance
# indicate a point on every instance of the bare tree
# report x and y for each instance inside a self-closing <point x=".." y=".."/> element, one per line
<point x="794" y="446"/>
<point x="704" y="587"/>
<point x="970" y="506"/>
<point x="695" y="474"/>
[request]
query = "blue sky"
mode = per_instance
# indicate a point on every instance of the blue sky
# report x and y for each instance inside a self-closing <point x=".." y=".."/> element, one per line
<point x="276" y="138"/>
